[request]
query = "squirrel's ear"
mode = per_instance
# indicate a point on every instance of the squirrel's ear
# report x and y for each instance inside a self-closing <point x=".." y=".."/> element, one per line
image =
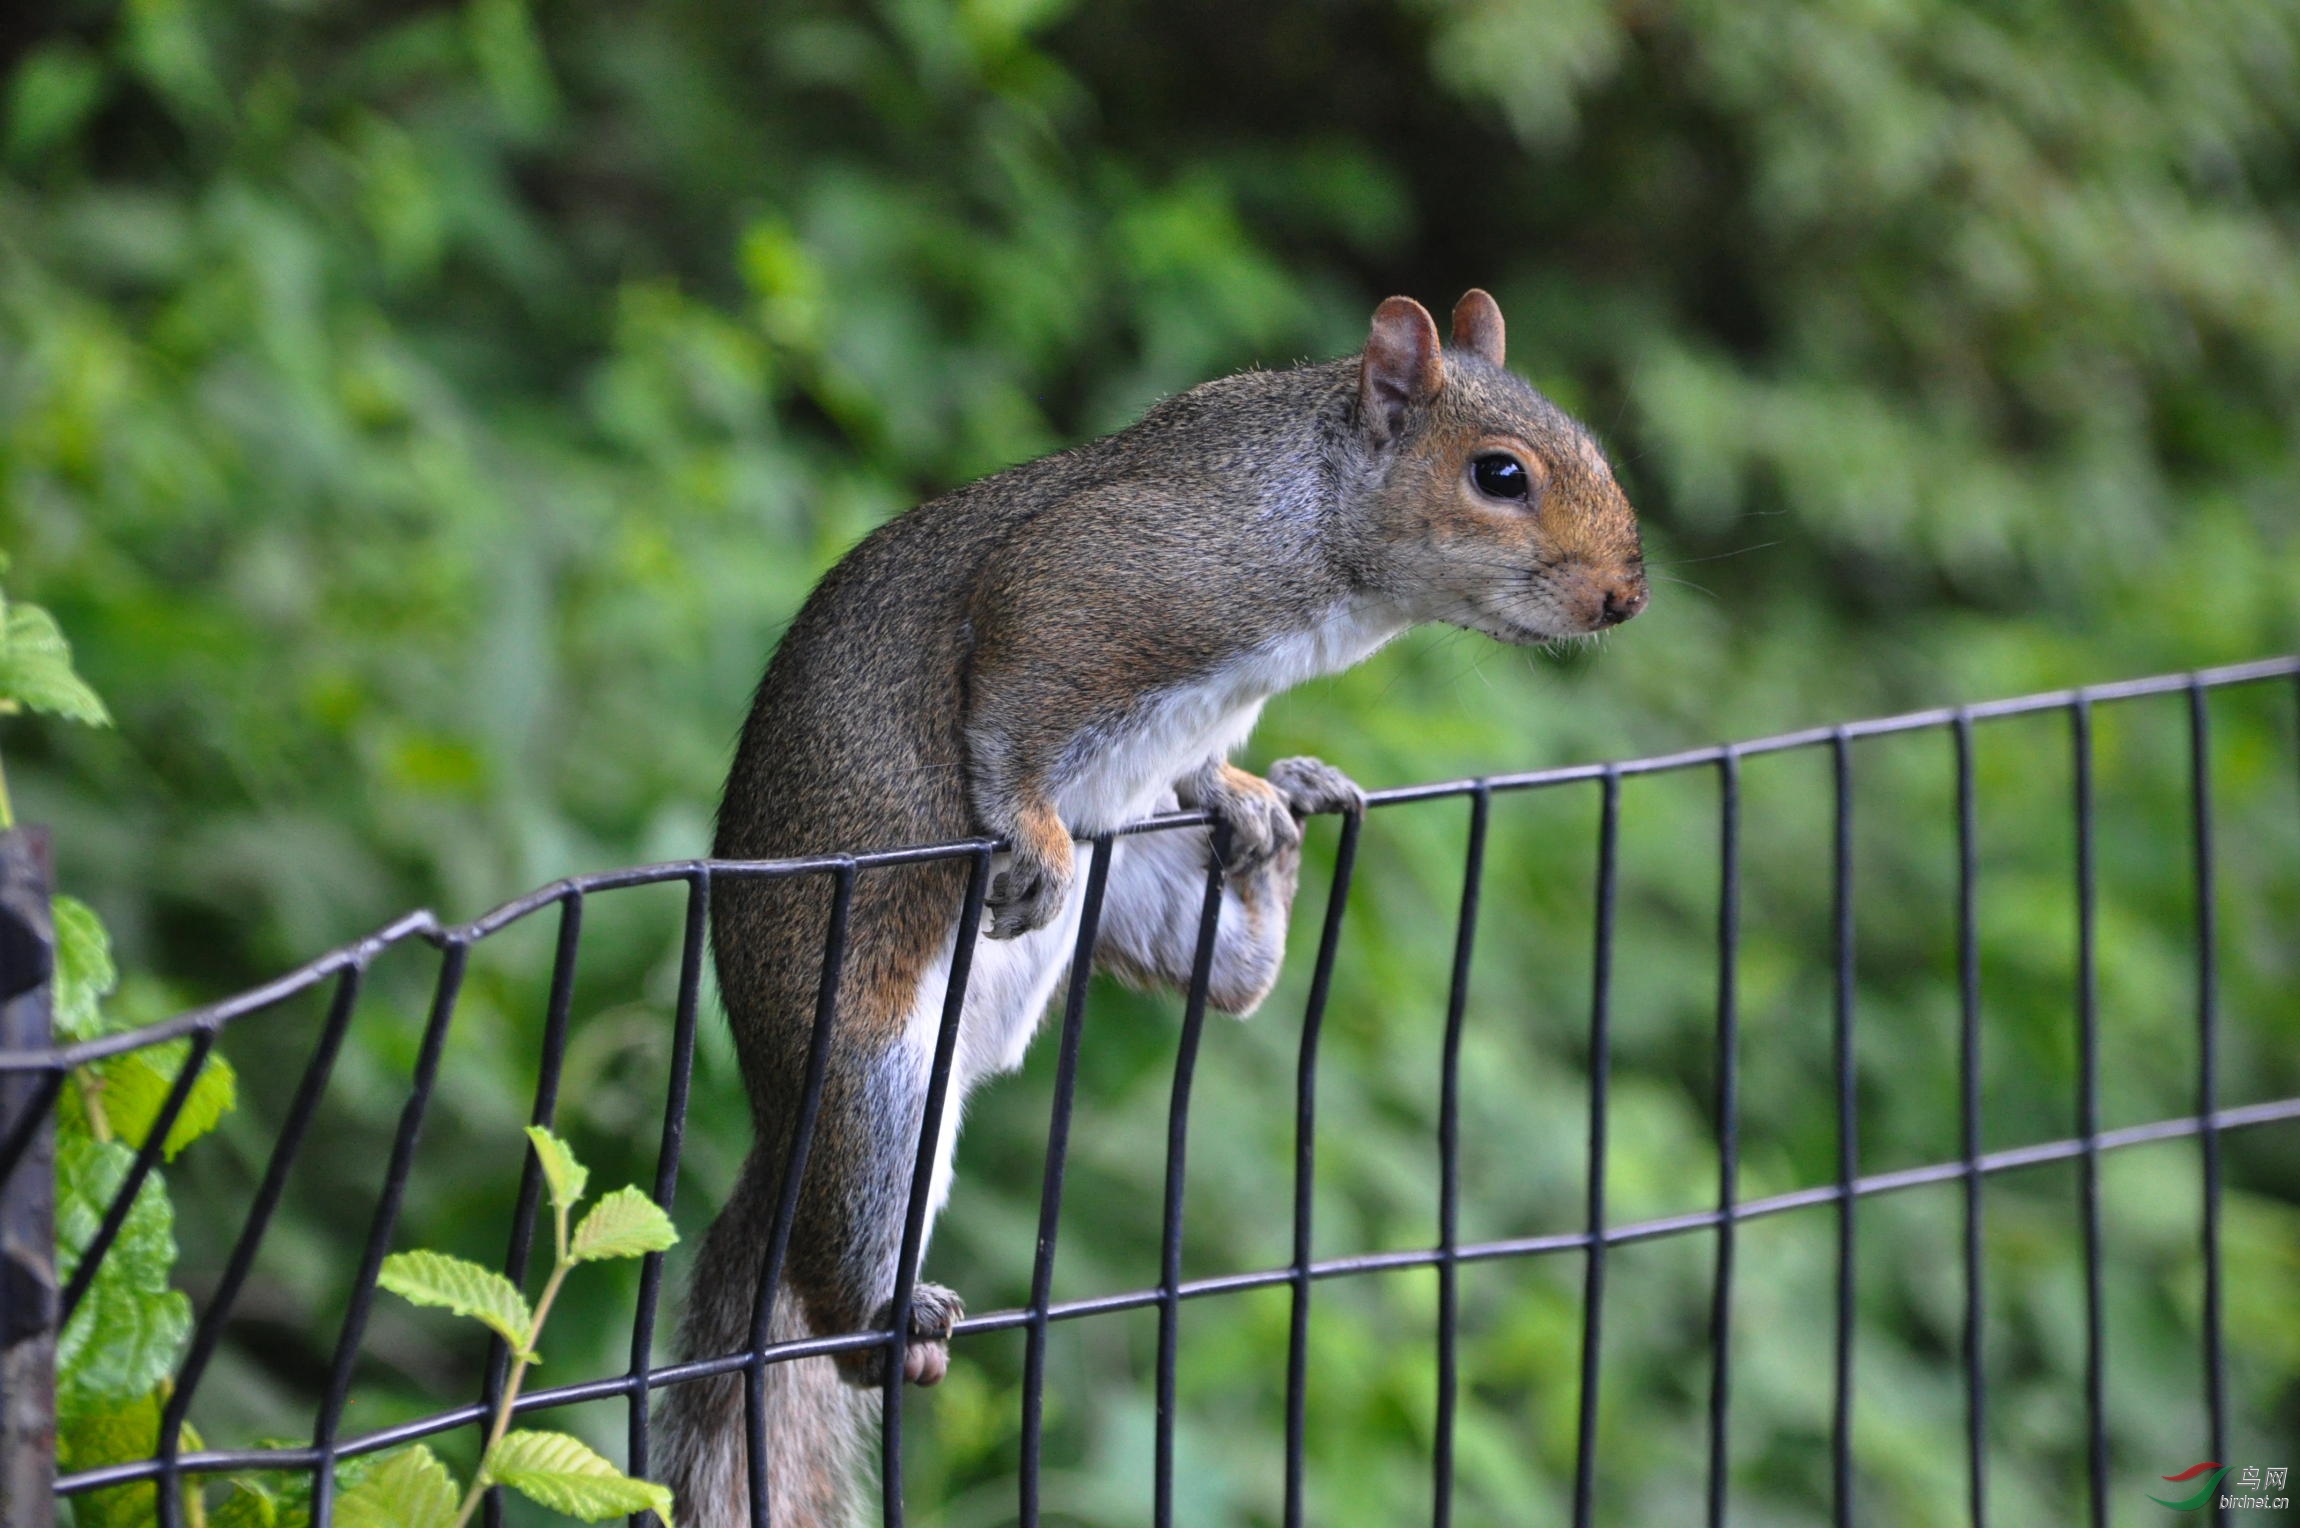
<point x="1477" y="326"/>
<point x="1401" y="366"/>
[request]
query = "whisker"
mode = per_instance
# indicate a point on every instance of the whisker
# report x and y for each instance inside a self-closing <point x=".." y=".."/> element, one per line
<point x="1687" y="562"/>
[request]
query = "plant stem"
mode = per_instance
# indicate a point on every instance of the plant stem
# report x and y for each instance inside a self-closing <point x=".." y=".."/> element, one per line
<point x="91" y="1085"/>
<point x="519" y="1366"/>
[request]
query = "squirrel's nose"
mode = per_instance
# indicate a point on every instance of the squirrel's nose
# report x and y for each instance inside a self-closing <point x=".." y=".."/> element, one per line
<point x="1624" y="602"/>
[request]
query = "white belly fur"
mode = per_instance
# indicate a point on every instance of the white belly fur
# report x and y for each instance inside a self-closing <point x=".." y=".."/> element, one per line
<point x="1175" y="730"/>
<point x="1007" y="990"/>
<point x="1012" y="980"/>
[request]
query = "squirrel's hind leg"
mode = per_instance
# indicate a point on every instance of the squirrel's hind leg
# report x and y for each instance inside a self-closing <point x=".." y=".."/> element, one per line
<point x="815" y="1426"/>
<point x="848" y="1241"/>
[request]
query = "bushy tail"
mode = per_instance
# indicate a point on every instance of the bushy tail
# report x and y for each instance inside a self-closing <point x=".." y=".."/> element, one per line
<point x="816" y="1423"/>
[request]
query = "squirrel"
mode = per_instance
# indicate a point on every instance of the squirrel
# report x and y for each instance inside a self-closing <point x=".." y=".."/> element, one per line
<point x="1046" y="655"/>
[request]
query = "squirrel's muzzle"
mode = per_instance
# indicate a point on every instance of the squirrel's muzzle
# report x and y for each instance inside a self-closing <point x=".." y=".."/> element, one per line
<point x="1623" y="601"/>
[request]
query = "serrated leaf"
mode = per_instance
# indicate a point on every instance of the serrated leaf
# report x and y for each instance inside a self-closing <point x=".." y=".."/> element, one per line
<point x="568" y="1178"/>
<point x="135" y="1088"/>
<point x="124" y="1338"/>
<point x="84" y="970"/>
<point x="36" y="669"/>
<point x="409" y="1489"/>
<point x="462" y="1286"/>
<point x="563" y="1473"/>
<point x="625" y="1223"/>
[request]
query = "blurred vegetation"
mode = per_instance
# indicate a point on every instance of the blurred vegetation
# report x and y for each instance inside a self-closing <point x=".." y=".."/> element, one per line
<point x="423" y="417"/>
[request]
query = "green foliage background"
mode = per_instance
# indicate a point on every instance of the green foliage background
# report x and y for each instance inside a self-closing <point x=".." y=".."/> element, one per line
<point x="423" y="417"/>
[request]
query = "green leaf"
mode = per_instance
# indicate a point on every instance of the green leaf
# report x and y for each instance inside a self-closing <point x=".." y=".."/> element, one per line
<point x="36" y="669"/>
<point x="124" y="1338"/>
<point x="84" y="970"/>
<point x="93" y="1436"/>
<point x="87" y="1437"/>
<point x="409" y="1489"/>
<point x="291" y="1489"/>
<point x="625" y="1223"/>
<point x="567" y="1177"/>
<point x="562" y="1473"/>
<point x="294" y="1507"/>
<point x="462" y="1286"/>
<point x="250" y="1505"/>
<point x="136" y="1085"/>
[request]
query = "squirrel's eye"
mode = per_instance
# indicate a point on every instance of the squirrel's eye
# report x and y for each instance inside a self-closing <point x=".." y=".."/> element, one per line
<point x="1500" y="476"/>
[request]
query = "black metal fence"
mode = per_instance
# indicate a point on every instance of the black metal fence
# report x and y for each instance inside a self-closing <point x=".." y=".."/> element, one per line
<point x="33" y="1073"/>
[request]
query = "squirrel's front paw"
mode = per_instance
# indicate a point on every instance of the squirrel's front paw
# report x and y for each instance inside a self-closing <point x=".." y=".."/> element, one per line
<point x="1262" y="828"/>
<point x="1027" y="895"/>
<point x="1311" y="786"/>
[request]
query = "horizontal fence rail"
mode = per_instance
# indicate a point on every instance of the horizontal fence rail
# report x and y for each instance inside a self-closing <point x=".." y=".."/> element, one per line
<point x="32" y="1077"/>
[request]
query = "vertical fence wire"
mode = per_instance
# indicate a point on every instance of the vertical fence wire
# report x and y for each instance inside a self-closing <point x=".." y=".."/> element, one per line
<point x="2208" y="1065"/>
<point x="1848" y="1127"/>
<point x="544" y="1112"/>
<point x="310" y="1088"/>
<point x="454" y="954"/>
<point x="963" y="941"/>
<point x="1050" y="1189"/>
<point x="1969" y="1119"/>
<point x="1449" y="1161"/>
<point x="1177" y="1158"/>
<point x="1306" y="1162"/>
<point x="2088" y="1110"/>
<point x="787" y="1195"/>
<point x="147" y="1156"/>
<point x="668" y="1149"/>
<point x="1728" y="1130"/>
<point x="1600" y="1089"/>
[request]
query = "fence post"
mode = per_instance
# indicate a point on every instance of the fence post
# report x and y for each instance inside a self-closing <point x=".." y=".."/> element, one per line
<point x="28" y="1195"/>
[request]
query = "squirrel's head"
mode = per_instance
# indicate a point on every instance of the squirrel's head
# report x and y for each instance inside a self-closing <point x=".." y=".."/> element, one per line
<point x="1488" y="508"/>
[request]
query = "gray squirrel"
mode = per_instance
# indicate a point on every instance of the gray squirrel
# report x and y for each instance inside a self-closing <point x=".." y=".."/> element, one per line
<point x="1045" y="655"/>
